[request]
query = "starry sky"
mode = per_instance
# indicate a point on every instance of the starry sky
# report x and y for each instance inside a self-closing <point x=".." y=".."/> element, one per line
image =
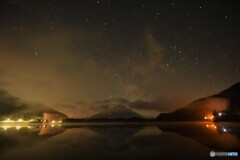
<point x="153" y="56"/>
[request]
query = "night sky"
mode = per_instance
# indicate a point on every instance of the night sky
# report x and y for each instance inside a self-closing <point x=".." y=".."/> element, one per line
<point x="153" y="56"/>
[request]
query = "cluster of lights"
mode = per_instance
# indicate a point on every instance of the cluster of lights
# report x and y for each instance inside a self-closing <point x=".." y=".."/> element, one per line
<point x="55" y="122"/>
<point x="18" y="124"/>
<point x="8" y="120"/>
<point x="17" y="127"/>
<point x="9" y="123"/>
<point x="5" y="127"/>
<point x="209" y="117"/>
<point x="21" y="123"/>
<point x="211" y="126"/>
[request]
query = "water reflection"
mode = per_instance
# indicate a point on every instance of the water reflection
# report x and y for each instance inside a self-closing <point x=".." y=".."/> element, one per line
<point x="221" y="136"/>
<point x="17" y="127"/>
<point x="41" y="129"/>
<point x="118" y="141"/>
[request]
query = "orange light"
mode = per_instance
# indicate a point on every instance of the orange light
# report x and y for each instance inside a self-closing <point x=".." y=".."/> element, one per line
<point x="8" y="121"/>
<point x="18" y="127"/>
<point x="20" y="120"/>
<point x="53" y="122"/>
<point x="209" y="117"/>
<point x="211" y="126"/>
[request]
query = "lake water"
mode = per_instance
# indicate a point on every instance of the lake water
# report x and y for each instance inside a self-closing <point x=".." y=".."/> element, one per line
<point x="148" y="141"/>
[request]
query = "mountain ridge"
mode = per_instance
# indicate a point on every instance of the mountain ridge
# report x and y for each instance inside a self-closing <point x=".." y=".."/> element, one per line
<point x="228" y="99"/>
<point x="116" y="112"/>
<point x="15" y="107"/>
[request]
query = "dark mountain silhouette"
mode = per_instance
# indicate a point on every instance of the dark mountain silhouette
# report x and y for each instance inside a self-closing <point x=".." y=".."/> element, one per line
<point x="116" y="112"/>
<point x="233" y="94"/>
<point x="227" y="100"/>
<point x="14" y="107"/>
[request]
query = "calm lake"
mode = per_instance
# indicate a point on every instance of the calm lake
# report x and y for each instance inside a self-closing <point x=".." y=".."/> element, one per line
<point x="148" y="141"/>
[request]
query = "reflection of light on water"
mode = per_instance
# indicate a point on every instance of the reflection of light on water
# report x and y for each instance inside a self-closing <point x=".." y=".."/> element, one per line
<point x="211" y="126"/>
<point x="54" y="125"/>
<point x="18" y="127"/>
<point x="219" y="128"/>
<point x="5" y="127"/>
<point x="50" y="129"/>
<point x="14" y="126"/>
<point x="29" y="127"/>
